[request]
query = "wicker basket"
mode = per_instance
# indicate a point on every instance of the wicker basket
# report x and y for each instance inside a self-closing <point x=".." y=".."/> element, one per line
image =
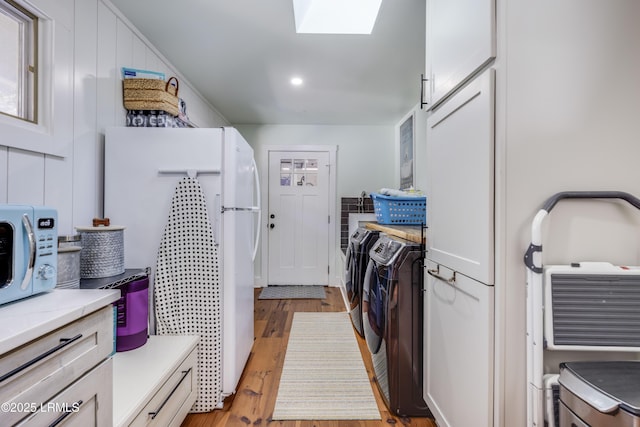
<point x="151" y="94"/>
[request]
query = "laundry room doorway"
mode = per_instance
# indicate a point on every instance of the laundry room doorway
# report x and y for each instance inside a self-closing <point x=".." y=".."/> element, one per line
<point x="300" y="216"/>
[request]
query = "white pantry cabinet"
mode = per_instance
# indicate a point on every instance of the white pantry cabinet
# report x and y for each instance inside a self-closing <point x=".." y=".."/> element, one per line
<point x="460" y="41"/>
<point x="458" y="328"/>
<point x="460" y="164"/>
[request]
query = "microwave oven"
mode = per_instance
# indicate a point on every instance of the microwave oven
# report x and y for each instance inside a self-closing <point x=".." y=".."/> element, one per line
<point x="28" y="251"/>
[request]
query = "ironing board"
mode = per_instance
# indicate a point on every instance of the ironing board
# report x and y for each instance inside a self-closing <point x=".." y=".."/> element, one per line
<point x="187" y="287"/>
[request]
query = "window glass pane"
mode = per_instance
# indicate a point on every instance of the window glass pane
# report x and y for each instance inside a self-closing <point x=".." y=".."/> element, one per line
<point x="311" y="179"/>
<point x="9" y="66"/>
<point x="299" y="164"/>
<point x="285" y="179"/>
<point x="18" y="53"/>
<point x="312" y="164"/>
<point x="285" y="165"/>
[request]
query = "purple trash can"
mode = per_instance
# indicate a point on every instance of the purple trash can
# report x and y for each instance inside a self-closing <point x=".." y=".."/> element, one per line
<point x="133" y="314"/>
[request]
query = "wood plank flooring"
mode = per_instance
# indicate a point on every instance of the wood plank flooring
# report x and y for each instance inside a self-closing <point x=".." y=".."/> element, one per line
<point x="253" y="404"/>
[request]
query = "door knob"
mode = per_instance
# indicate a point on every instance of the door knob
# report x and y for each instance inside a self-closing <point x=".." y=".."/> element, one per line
<point x="271" y="225"/>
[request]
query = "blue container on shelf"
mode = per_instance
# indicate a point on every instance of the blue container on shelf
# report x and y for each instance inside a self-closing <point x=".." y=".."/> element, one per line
<point x="410" y="210"/>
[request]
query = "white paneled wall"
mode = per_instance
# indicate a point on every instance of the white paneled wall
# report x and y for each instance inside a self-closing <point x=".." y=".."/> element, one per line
<point x="31" y="167"/>
<point x="92" y="42"/>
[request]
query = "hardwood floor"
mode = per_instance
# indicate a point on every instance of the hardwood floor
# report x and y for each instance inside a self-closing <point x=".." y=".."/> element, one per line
<point x="253" y="403"/>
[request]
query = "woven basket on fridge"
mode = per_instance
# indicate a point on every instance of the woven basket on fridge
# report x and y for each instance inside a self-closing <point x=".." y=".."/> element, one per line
<point x="151" y="94"/>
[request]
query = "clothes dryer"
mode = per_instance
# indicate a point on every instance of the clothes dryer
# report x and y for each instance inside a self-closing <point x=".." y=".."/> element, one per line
<point x="392" y="312"/>
<point x="360" y="243"/>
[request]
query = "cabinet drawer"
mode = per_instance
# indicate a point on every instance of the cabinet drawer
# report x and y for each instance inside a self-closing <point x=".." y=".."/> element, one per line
<point x="175" y="396"/>
<point x="568" y="418"/>
<point x="36" y="371"/>
<point x="86" y="403"/>
<point x="459" y="322"/>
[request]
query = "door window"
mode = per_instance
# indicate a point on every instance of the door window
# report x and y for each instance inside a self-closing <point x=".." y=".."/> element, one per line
<point x="298" y="172"/>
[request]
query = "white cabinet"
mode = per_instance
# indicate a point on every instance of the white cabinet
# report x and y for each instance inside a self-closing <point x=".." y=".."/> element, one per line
<point x="459" y="338"/>
<point x="460" y="157"/>
<point x="86" y="402"/>
<point x="460" y="41"/>
<point x="156" y="384"/>
<point x="55" y="359"/>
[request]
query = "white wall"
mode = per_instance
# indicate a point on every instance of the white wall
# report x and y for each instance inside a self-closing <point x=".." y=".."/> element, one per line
<point x="366" y="154"/>
<point x="567" y="119"/>
<point x="366" y="158"/>
<point x="61" y="165"/>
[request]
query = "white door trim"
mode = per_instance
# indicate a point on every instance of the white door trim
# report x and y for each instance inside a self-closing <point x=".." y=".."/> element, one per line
<point x="264" y="190"/>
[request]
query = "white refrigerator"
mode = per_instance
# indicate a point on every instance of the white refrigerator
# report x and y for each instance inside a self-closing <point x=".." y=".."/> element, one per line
<point x="141" y="171"/>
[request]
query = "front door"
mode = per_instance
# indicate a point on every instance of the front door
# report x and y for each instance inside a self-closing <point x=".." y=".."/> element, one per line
<point x="298" y="218"/>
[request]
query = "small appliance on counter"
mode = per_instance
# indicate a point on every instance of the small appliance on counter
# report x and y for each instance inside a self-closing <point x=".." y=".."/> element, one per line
<point x="28" y="251"/>
<point x="600" y="394"/>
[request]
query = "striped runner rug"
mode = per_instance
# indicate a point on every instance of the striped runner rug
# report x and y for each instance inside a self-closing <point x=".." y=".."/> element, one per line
<point x="323" y="377"/>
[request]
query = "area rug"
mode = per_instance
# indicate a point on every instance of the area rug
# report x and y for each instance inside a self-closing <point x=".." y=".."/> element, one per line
<point x="293" y="292"/>
<point x="323" y="376"/>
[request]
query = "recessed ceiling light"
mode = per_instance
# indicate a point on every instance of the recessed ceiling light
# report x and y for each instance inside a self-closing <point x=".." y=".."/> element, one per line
<point x="296" y="81"/>
<point x="335" y="16"/>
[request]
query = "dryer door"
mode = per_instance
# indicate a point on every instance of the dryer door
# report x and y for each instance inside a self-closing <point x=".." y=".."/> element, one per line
<point x="350" y="266"/>
<point x="374" y="305"/>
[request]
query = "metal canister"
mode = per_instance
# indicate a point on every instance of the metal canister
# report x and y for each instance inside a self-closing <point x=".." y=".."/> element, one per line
<point x="102" y="253"/>
<point x="68" y="261"/>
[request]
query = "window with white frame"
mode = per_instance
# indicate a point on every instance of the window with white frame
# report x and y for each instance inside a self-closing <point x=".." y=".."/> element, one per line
<point x="18" y="61"/>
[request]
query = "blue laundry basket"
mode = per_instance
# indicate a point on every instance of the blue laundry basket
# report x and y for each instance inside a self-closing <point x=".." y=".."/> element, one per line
<point x="399" y="210"/>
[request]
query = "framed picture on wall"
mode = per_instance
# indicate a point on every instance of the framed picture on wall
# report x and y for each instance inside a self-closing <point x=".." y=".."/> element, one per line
<point x="407" y="153"/>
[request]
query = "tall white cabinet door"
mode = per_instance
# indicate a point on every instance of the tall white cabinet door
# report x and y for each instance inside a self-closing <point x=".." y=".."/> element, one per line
<point x="458" y="328"/>
<point x="460" y="157"/>
<point x="460" y="41"/>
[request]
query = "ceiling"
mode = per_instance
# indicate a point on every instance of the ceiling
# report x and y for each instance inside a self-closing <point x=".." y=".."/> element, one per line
<point x="241" y="54"/>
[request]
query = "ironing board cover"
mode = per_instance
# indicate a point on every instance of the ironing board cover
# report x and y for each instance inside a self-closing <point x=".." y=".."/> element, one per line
<point x="187" y="288"/>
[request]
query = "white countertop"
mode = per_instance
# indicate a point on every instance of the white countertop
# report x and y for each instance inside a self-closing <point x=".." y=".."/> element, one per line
<point x="138" y="373"/>
<point x="25" y="320"/>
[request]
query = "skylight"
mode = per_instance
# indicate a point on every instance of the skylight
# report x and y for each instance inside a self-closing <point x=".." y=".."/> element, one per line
<point x="335" y="16"/>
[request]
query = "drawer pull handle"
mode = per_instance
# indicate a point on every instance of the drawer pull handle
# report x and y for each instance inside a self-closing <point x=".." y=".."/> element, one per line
<point x="63" y="343"/>
<point x="166" y="399"/>
<point x="436" y="273"/>
<point x="75" y="406"/>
